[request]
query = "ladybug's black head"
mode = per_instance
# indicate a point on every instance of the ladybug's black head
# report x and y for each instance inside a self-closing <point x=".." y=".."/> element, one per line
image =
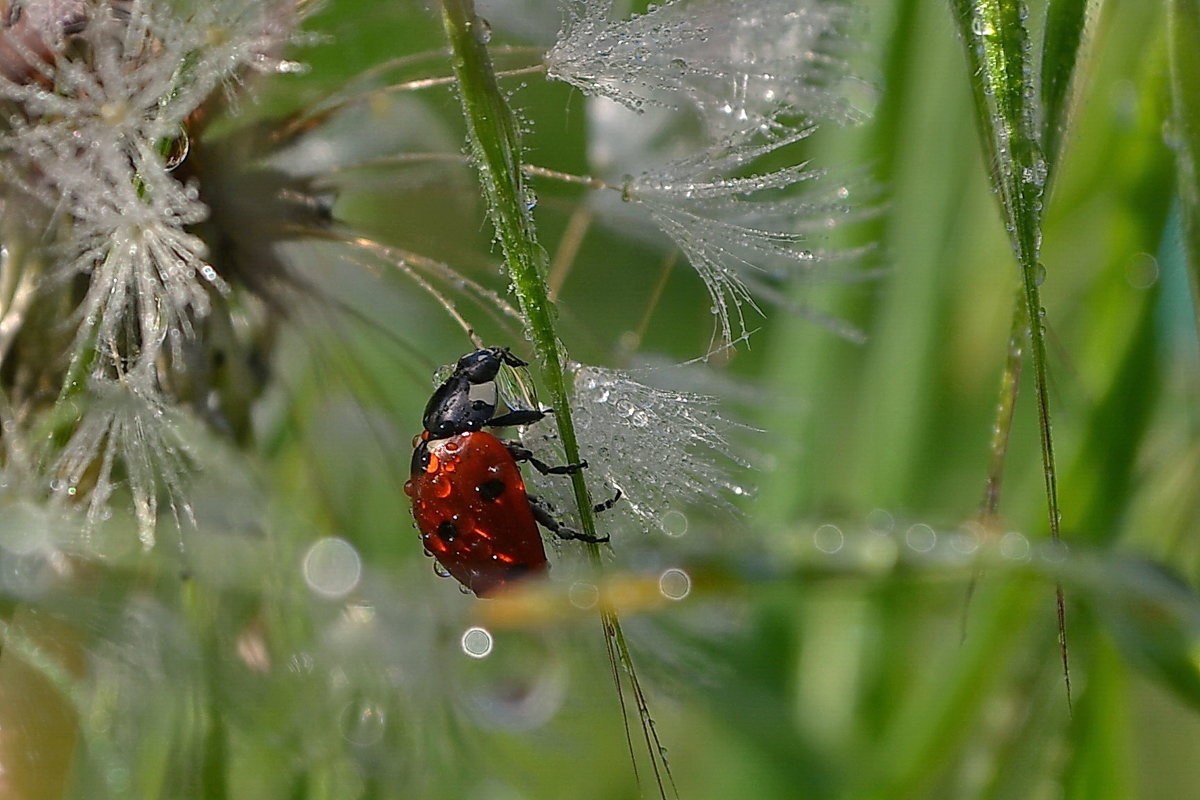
<point x="482" y="365"/>
<point x="467" y="399"/>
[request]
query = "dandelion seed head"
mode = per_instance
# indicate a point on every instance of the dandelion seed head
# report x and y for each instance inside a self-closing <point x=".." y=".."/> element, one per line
<point x="101" y="101"/>
<point x="741" y="64"/>
<point x="667" y="451"/>
<point x="743" y="234"/>
<point x="88" y="140"/>
<point x="127" y="423"/>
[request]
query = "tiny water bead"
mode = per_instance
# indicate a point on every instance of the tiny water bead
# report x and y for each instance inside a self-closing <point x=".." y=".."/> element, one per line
<point x="921" y="538"/>
<point x="828" y="539"/>
<point x="674" y="523"/>
<point x="1053" y="552"/>
<point x="363" y="724"/>
<point x="332" y="567"/>
<point x="966" y="541"/>
<point x="1014" y="546"/>
<point x="881" y="521"/>
<point x="477" y="642"/>
<point x="675" y="584"/>
<point x="1141" y="272"/>
<point x="583" y="595"/>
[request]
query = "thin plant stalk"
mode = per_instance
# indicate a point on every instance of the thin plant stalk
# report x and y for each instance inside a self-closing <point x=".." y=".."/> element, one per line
<point x="998" y="54"/>
<point x="493" y="137"/>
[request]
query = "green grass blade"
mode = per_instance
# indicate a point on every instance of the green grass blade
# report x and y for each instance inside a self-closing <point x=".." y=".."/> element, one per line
<point x="1065" y="22"/>
<point x="997" y="44"/>
<point x="1183" y="32"/>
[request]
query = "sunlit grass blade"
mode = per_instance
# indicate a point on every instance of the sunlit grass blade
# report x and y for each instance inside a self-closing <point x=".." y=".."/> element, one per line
<point x="998" y="51"/>
<point x="1183" y="33"/>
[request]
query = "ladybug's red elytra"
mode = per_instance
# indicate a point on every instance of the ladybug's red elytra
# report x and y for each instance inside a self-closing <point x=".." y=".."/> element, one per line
<point x="469" y="500"/>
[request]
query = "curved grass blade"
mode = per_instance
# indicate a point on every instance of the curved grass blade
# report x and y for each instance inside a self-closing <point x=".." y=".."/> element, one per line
<point x="998" y="52"/>
<point x="492" y="132"/>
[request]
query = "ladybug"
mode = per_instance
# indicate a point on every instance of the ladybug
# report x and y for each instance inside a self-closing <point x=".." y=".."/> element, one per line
<point x="468" y="496"/>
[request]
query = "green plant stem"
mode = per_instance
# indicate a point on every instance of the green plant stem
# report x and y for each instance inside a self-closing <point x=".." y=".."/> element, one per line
<point x="494" y="140"/>
<point x="1010" y="384"/>
<point x="997" y="46"/>
<point x="495" y="147"/>
<point x="1183" y="31"/>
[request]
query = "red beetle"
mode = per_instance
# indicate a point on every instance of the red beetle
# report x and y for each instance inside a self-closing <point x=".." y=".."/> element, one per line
<point x="468" y="495"/>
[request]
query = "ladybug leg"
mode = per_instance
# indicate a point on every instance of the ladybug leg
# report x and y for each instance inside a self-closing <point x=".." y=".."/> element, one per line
<point x="522" y="416"/>
<point x="520" y="453"/>
<point x="609" y="503"/>
<point x="542" y="514"/>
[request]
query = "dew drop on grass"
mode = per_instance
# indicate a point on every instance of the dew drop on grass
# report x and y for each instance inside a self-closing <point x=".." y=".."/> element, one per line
<point x="482" y="30"/>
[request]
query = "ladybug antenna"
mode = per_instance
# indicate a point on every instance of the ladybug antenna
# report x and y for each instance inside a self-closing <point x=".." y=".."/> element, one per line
<point x="506" y="356"/>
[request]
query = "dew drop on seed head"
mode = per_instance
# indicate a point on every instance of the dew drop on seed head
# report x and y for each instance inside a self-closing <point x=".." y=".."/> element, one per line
<point x="674" y="523"/>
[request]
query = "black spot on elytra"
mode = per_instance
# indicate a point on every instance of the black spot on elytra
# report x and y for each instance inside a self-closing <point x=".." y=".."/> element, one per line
<point x="447" y="531"/>
<point x="491" y="490"/>
<point x="517" y="571"/>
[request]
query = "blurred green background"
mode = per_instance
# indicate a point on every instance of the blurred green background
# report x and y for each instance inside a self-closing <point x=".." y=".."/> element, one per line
<point x="875" y="659"/>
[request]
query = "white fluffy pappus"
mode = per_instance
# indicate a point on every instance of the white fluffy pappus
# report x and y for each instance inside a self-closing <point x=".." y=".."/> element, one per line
<point x="741" y="64"/>
<point x="668" y="452"/>
<point x="94" y="128"/>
